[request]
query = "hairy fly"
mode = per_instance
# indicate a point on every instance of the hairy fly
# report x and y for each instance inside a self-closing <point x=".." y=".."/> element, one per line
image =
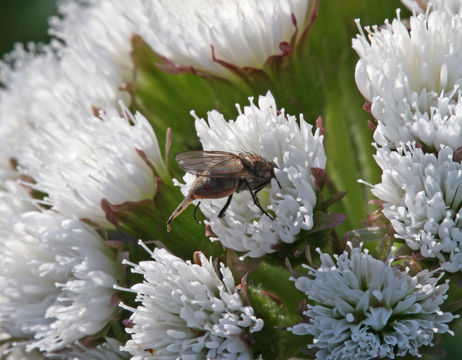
<point x="220" y="174"/>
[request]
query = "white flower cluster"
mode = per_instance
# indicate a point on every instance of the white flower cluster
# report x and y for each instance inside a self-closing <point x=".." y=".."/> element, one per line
<point x="26" y="75"/>
<point x="62" y="135"/>
<point x="66" y="146"/>
<point x="422" y="196"/>
<point x="363" y="308"/>
<point x="69" y="133"/>
<point x="242" y="33"/>
<point x="412" y="78"/>
<point x="451" y="6"/>
<point x="57" y="277"/>
<point x="88" y="29"/>
<point x="54" y="272"/>
<point x="188" y="311"/>
<point x="270" y="133"/>
<point x="69" y="142"/>
<point x="100" y="160"/>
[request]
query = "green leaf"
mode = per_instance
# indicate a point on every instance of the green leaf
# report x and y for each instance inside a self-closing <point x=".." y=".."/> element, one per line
<point x="146" y="220"/>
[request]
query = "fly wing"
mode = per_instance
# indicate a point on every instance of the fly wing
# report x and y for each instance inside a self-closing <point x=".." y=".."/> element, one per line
<point x="211" y="163"/>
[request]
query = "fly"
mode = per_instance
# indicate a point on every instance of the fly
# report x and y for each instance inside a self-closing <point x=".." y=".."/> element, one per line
<point x="220" y="174"/>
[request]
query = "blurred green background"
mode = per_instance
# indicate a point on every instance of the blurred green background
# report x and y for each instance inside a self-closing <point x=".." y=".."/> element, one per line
<point x="27" y="20"/>
<point x="24" y="21"/>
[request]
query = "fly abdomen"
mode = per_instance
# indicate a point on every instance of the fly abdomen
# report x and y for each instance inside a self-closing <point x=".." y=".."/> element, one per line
<point x="213" y="187"/>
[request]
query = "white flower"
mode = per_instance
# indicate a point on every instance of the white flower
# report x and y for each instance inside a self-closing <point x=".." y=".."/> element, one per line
<point x="416" y="6"/>
<point x="422" y="196"/>
<point x="91" y="79"/>
<point x="363" y="308"/>
<point x="451" y="6"/>
<point x="277" y="137"/>
<point x="413" y="79"/>
<point x="42" y="89"/>
<point x="99" y="29"/>
<point x="84" y="159"/>
<point x="27" y="76"/>
<point x="57" y="277"/>
<point x="109" y="350"/>
<point x="96" y="59"/>
<point x="188" y="311"/>
<point x="14" y="199"/>
<point x="44" y="84"/>
<point x="242" y="33"/>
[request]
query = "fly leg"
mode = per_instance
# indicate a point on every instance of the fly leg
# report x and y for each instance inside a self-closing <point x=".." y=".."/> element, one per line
<point x="195" y="212"/>
<point x="222" y="211"/>
<point x="255" y="199"/>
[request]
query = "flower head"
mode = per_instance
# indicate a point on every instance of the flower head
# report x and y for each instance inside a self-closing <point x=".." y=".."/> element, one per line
<point x="84" y="159"/>
<point x="26" y="74"/>
<point x="87" y="28"/>
<point x="202" y="33"/>
<point x="57" y="278"/>
<point x="96" y="61"/>
<point x="86" y="68"/>
<point x="413" y="79"/>
<point x="416" y="6"/>
<point x="109" y="350"/>
<point x="275" y="136"/>
<point x="422" y="195"/>
<point x="53" y="87"/>
<point x="363" y="308"/>
<point x="188" y="311"/>
<point x="451" y="6"/>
